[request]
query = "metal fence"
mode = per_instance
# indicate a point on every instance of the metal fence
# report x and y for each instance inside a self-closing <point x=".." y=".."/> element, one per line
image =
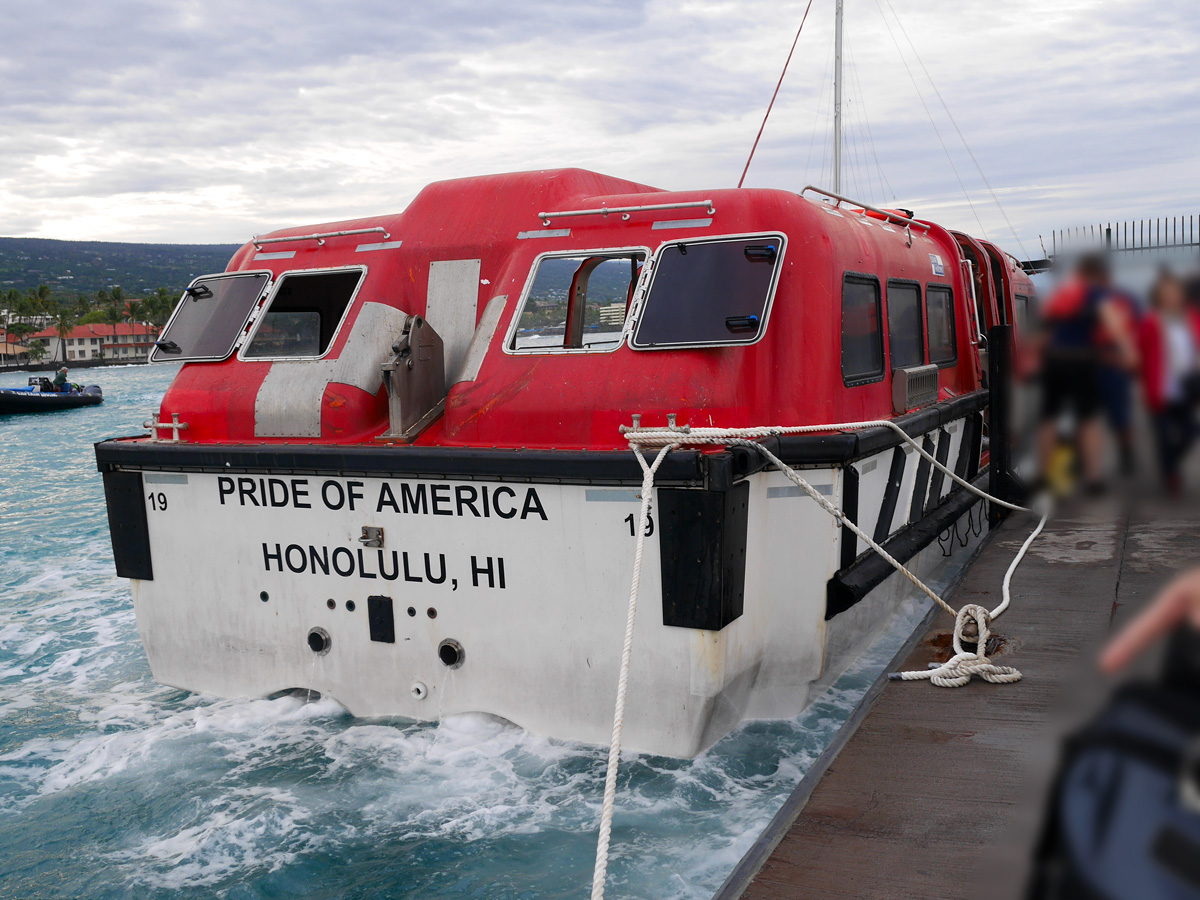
<point x="1166" y="233"/>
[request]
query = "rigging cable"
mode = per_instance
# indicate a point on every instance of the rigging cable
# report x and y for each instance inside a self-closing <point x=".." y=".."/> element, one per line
<point x="961" y="137"/>
<point x="855" y="140"/>
<point x="774" y="95"/>
<point x="866" y="119"/>
<point x="821" y="97"/>
<point x="929" y="113"/>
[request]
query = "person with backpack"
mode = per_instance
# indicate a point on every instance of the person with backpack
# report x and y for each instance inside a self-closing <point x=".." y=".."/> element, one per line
<point x="1080" y="320"/>
<point x="1123" y="813"/>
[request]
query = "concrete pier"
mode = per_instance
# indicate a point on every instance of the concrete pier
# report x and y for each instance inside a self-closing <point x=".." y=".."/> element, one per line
<point x="937" y="793"/>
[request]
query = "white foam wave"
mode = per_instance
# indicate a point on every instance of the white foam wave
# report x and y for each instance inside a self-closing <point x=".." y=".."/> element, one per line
<point x="248" y="830"/>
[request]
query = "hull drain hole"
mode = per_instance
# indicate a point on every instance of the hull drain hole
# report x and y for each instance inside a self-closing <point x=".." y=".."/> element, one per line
<point x="450" y="653"/>
<point x="319" y="641"/>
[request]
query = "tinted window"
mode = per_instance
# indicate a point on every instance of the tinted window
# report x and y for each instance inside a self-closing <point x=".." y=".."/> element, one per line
<point x="303" y="315"/>
<point x="1022" y="311"/>
<point x="210" y="317"/>
<point x="939" y="313"/>
<point x="905" y="334"/>
<point x="577" y="302"/>
<point x="709" y="292"/>
<point x="862" y="342"/>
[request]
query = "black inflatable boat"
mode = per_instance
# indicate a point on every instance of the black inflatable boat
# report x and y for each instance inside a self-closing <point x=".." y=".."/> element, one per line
<point x="40" y="397"/>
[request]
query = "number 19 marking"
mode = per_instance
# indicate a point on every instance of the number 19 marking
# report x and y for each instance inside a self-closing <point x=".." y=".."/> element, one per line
<point x="158" y="502"/>
<point x="631" y="521"/>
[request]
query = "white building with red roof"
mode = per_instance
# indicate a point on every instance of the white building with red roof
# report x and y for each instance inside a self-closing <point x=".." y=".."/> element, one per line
<point x="130" y="342"/>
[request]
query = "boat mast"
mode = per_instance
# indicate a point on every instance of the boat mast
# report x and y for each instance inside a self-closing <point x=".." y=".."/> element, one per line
<point x="837" y="101"/>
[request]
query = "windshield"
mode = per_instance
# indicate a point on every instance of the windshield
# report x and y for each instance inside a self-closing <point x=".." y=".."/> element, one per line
<point x="210" y="317"/>
<point x="578" y="302"/>
<point x="304" y="314"/>
<point x="706" y="293"/>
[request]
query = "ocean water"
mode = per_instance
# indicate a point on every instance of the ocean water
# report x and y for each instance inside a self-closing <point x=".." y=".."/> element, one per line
<point x="112" y="786"/>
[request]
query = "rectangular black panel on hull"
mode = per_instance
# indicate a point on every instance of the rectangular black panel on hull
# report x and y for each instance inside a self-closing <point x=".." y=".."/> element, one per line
<point x="702" y="546"/>
<point x="127" y="524"/>
<point x="381" y="619"/>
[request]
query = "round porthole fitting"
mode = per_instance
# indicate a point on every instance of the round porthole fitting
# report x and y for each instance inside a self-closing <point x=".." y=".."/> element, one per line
<point x="418" y="690"/>
<point x="450" y="652"/>
<point x="319" y="641"/>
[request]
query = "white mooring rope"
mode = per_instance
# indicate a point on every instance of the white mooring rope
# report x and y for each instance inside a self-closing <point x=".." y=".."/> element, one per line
<point x="954" y="673"/>
<point x="600" y="873"/>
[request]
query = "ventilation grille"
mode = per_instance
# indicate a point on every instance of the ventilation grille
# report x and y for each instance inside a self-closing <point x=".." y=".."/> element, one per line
<point x="913" y="388"/>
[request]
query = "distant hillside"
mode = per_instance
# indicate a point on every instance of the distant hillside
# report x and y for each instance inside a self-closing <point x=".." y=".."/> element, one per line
<point x="70" y="268"/>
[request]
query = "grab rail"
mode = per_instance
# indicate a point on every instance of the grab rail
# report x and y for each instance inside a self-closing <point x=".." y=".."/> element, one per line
<point x="319" y="237"/>
<point x="626" y="210"/>
<point x="890" y="216"/>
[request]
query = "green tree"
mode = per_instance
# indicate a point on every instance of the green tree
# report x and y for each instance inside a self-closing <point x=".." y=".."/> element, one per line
<point x="26" y="306"/>
<point x="42" y="300"/>
<point x="37" y="351"/>
<point x="64" y="322"/>
<point x="157" y="308"/>
<point x="114" y="306"/>
<point x="10" y="299"/>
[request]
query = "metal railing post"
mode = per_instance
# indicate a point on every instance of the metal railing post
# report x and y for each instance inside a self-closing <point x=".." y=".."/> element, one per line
<point x="1001" y="483"/>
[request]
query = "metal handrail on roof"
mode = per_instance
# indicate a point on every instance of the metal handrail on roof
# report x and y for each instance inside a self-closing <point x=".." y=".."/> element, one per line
<point x="890" y="216"/>
<point x="626" y="210"/>
<point x="319" y="237"/>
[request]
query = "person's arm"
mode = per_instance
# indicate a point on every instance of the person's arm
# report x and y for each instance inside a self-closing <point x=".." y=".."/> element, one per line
<point x="1177" y="603"/>
<point x="1118" y="329"/>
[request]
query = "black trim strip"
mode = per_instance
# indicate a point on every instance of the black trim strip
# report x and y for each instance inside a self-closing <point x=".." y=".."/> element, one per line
<point x="849" y="549"/>
<point x="845" y="447"/>
<point x="963" y="463"/>
<point x="852" y="583"/>
<point x="683" y="467"/>
<point x="921" y="488"/>
<point x="715" y="471"/>
<point x="939" y="476"/>
<point x="976" y="447"/>
<point x="891" y="495"/>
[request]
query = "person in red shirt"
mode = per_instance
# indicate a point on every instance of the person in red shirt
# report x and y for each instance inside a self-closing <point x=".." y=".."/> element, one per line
<point x="1079" y="320"/>
<point x="1170" y="345"/>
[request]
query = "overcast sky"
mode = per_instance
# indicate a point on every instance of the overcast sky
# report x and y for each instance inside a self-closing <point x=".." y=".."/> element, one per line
<point x="211" y="120"/>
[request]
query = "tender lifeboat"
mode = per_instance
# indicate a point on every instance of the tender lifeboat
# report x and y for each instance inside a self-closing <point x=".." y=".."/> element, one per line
<point x="391" y="468"/>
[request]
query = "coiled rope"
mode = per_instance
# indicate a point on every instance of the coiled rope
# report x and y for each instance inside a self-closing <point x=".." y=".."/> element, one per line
<point x="954" y="673"/>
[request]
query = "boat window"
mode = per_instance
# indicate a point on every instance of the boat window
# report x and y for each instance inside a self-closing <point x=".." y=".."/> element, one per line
<point x="862" y="332"/>
<point x="578" y="302"/>
<point x="303" y="314"/>
<point x="1022" y="303"/>
<point x="905" y="334"/>
<point x="939" y="316"/>
<point x="710" y="292"/>
<point x="210" y="317"/>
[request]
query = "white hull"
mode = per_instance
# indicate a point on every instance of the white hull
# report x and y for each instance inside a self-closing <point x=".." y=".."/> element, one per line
<point x="541" y="648"/>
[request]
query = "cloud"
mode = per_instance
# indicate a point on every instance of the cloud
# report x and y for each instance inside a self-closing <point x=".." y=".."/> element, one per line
<point x="210" y="120"/>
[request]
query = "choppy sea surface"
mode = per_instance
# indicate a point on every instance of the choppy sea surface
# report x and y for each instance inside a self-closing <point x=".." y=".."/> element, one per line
<point x="114" y="786"/>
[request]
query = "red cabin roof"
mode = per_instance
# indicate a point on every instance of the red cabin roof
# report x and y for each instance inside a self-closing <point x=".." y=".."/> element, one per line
<point x="792" y="375"/>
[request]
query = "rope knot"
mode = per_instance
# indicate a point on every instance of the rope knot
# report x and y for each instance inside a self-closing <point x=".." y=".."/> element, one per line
<point x="972" y="625"/>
